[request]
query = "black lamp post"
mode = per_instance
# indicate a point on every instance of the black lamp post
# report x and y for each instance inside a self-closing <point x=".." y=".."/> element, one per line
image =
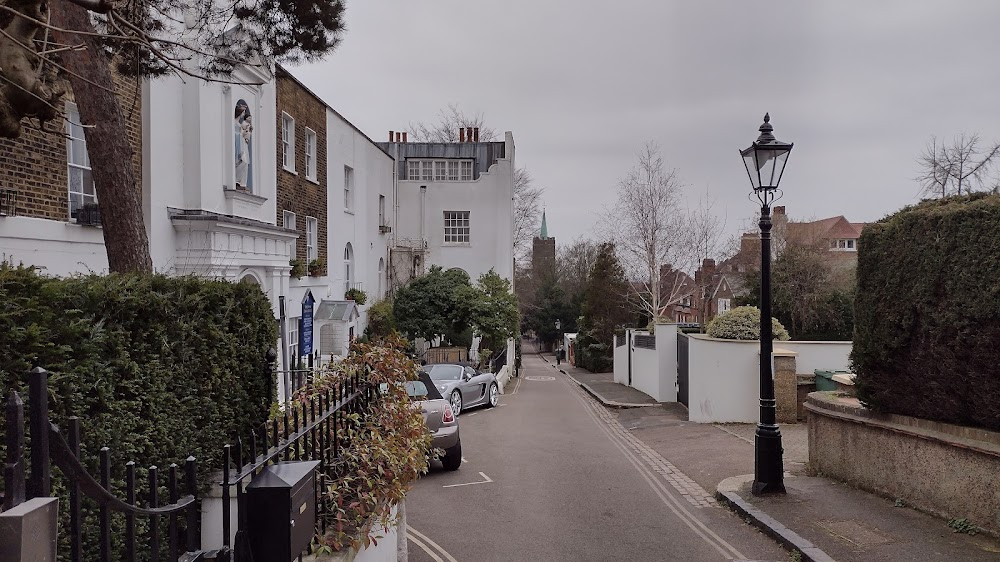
<point x="765" y="162"/>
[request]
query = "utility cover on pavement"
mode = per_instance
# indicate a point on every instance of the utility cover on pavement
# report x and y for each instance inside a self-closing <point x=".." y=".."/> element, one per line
<point x="540" y="378"/>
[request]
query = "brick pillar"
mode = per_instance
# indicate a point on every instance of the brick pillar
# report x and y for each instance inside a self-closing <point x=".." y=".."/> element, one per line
<point x="785" y="386"/>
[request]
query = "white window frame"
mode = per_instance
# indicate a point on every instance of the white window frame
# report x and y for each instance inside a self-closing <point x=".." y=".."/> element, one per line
<point x="439" y="170"/>
<point x="725" y="305"/>
<point x="457" y="228"/>
<point x="348" y="189"/>
<point x="293" y="342"/>
<point x="381" y="211"/>
<point x="310" y="153"/>
<point x="84" y="169"/>
<point x="348" y="259"/>
<point x="288" y="220"/>
<point x="287" y="142"/>
<point x="312" y="238"/>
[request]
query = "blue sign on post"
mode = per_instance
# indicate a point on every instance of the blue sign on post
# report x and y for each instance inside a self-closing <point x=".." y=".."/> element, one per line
<point x="306" y="325"/>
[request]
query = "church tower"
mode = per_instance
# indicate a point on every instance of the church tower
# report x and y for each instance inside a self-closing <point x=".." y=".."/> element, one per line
<point x="543" y="252"/>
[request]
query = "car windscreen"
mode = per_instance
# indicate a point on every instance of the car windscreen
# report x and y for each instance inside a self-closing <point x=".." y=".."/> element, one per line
<point x="444" y="372"/>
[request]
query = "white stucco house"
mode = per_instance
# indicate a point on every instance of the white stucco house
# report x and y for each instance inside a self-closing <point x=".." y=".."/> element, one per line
<point x="456" y="206"/>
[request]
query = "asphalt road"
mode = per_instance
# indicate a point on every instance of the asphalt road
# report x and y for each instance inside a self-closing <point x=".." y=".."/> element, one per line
<point x="550" y="475"/>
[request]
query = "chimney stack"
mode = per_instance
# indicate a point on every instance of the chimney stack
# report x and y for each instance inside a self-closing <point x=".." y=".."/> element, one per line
<point x="476" y="132"/>
<point x="461" y="134"/>
<point x="399" y="137"/>
<point x="468" y="133"/>
<point x="391" y="133"/>
<point x="404" y="136"/>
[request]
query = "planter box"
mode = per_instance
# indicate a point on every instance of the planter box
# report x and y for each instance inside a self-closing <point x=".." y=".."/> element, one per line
<point x="947" y="470"/>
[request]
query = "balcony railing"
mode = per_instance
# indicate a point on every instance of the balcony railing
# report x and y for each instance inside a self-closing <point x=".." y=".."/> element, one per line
<point x="349" y="285"/>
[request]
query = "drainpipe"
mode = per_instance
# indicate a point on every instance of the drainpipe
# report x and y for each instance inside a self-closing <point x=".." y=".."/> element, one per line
<point x="423" y="207"/>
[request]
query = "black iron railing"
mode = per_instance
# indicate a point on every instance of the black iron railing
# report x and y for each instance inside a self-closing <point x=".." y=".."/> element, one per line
<point x="50" y="448"/>
<point x="498" y="361"/>
<point x="313" y="427"/>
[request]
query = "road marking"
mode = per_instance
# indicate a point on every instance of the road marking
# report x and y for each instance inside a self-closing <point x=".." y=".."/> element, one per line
<point x="516" y="386"/>
<point x="668" y="499"/>
<point x="424" y="547"/>
<point x="472" y="414"/>
<point x="485" y="480"/>
<point x="414" y="534"/>
<point x="540" y="378"/>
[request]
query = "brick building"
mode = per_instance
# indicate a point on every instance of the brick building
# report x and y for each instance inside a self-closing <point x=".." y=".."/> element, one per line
<point x="302" y="170"/>
<point x="48" y="215"/>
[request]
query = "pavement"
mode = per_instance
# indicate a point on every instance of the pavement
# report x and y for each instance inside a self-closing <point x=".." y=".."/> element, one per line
<point x="819" y="518"/>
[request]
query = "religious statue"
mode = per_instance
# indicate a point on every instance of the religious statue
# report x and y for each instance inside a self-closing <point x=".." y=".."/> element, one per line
<point x="242" y="132"/>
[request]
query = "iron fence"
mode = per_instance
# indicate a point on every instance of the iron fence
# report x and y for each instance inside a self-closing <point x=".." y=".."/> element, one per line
<point x="498" y="361"/>
<point x="311" y="428"/>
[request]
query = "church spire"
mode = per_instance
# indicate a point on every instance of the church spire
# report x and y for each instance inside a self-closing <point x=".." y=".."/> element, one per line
<point x="544" y="235"/>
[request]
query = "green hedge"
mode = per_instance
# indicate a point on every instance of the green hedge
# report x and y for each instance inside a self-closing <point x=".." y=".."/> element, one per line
<point x="927" y="312"/>
<point x="157" y="368"/>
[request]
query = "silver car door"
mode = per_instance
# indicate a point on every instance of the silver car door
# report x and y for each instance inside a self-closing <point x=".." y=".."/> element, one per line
<point x="470" y="390"/>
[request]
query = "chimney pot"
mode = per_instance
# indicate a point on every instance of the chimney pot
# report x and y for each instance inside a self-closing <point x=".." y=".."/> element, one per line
<point x="461" y="134"/>
<point x="404" y="136"/>
<point x="476" y="131"/>
<point x="391" y="133"/>
<point x="399" y="137"/>
<point x="468" y="134"/>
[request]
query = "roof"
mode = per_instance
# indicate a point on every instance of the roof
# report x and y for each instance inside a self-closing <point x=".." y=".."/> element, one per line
<point x="342" y="311"/>
<point x="825" y="229"/>
<point x="285" y="72"/>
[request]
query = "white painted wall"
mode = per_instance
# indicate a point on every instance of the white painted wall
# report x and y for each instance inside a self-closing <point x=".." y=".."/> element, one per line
<point x="373" y="176"/>
<point x="60" y="248"/>
<point x="645" y="368"/>
<point x="666" y="351"/>
<point x="621" y="359"/>
<point x="489" y="201"/>
<point x="723" y="375"/>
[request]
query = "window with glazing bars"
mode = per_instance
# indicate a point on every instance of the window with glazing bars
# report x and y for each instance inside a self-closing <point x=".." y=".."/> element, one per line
<point x="456" y="227"/>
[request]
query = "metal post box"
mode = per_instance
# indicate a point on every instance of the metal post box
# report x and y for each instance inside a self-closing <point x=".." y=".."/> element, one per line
<point x="281" y="510"/>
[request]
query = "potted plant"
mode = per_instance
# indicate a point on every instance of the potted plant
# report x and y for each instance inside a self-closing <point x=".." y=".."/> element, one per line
<point x="356" y="295"/>
<point x="298" y="268"/>
<point x="317" y="267"/>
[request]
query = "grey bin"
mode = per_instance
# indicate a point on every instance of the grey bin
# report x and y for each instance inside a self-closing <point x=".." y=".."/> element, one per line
<point x="824" y="379"/>
<point x="281" y="510"/>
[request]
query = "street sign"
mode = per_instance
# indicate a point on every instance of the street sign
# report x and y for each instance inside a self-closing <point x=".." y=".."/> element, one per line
<point x="306" y="325"/>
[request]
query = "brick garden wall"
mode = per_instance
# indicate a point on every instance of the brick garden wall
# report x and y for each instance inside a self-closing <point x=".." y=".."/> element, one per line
<point x="296" y="193"/>
<point x="35" y="164"/>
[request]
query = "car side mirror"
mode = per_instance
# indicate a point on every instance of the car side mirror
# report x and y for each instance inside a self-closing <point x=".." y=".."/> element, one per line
<point x="466" y="377"/>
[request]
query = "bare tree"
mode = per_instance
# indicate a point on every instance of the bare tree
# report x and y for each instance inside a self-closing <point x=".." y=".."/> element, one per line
<point x="649" y="229"/>
<point x="527" y="196"/>
<point x="574" y="263"/>
<point x="705" y="229"/>
<point x="450" y="120"/>
<point x="961" y="167"/>
<point x="527" y="210"/>
<point x="43" y="41"/>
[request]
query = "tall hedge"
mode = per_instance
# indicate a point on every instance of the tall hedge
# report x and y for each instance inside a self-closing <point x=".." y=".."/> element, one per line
<point x="157" y="368"/>
<point x="927" y="312"/>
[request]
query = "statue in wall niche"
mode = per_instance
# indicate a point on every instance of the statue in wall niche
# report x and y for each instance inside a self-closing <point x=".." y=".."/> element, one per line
<point x="243" y="137"/>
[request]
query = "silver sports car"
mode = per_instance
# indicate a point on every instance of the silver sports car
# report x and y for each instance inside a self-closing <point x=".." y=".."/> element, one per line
<point x="464" y="386"/>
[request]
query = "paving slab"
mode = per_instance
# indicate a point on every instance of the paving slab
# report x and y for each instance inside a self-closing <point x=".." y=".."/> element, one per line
<point x="830" y="520"/>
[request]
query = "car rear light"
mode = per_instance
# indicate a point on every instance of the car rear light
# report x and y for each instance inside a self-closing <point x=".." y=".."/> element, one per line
<point x="448" y="416"/>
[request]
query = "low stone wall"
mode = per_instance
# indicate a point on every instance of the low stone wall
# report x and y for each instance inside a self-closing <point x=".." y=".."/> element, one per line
<point x="944" y="469"/>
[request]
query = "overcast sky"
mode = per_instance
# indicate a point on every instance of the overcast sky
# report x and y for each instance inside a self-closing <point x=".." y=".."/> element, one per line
<point x="858" y="86"/>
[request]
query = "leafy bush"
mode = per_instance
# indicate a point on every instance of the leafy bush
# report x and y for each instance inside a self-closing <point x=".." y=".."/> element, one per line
<point x="157" y="368"/>
<point x="592" y="355"/>
<point x="743" y="323"/>
<point x="356" y="295"/>
<point x="927" y="312"/>
<point x="384" y="451"/>
<point x="381" y="323"/>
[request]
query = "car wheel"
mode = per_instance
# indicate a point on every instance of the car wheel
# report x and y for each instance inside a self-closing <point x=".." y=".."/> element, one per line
<point x="456" y="402"/>
<point x="452" y="457"/>
<point x="494" y="396"/>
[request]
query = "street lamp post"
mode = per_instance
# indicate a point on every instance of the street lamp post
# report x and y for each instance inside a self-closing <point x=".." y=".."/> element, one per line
<point x="765" y="163"/>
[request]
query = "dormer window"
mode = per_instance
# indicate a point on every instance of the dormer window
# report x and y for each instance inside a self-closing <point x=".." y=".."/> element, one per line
<point x="423" y="169"/>
<point x="844" y="245"/>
